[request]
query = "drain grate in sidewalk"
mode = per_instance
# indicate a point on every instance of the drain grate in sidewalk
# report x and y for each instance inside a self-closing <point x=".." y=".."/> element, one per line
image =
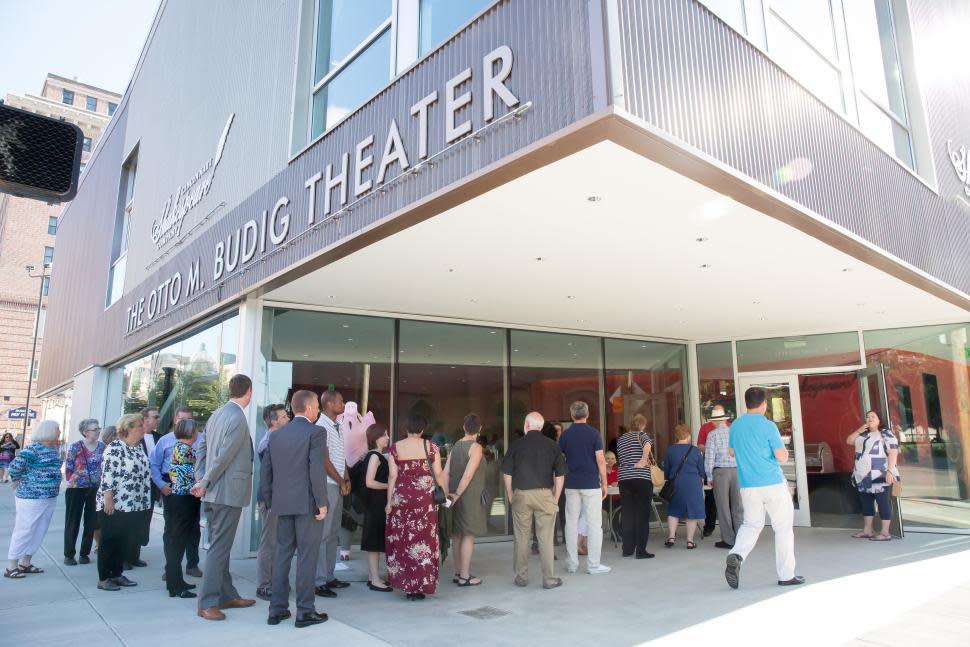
<point x="485" y="613"/>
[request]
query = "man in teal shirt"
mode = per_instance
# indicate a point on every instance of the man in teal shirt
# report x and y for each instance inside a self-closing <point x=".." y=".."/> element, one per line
<point x="759" y="451"/>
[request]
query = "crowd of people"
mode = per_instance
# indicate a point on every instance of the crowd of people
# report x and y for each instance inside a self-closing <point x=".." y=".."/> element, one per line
<point x="309" y="463"/>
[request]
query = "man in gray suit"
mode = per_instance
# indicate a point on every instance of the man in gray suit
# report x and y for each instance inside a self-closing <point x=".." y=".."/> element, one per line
<point x="224" y="481"/>
<point x="296" y="493"/>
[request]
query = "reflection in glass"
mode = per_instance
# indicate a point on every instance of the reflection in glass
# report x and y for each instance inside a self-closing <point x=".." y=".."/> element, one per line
<point x="646" y="378"/>
<point x="549" y="372"/>
<point x="875" y="59"/>
<point x="730" y="11"/>
<point x="367" y="74"/>
<point x="803" y="351"/>
<point x="342" y="25"/>
<point x="715" y="372"/>
<point x="445" y="372"/>
<point x="440" y="18"/>
<point x="928" y="384"/>
<point x="780" y="412"/>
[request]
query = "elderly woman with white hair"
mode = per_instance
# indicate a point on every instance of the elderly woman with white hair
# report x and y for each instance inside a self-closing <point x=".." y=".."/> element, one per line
<point x="36" y="476"/>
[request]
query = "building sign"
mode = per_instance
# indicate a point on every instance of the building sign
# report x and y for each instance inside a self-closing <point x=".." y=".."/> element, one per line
<point x="188" y="195"/>
<point x="376" y="160"/>
<point x="958" y="158"/>
<point x="20" y="413"/>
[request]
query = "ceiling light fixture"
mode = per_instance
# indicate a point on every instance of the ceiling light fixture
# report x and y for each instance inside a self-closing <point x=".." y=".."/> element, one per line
<point x="346" y="326"/>
<point x="705" y="266"/>
<point x="701" y="239"/>
<point x="595" y="198"/>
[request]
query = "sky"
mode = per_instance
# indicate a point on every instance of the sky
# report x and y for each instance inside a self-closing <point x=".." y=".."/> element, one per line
<point x="95" y="41"/>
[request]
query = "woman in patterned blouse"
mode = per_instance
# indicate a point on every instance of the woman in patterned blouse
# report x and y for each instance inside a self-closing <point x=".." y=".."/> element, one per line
<point x="125" y="492"/>
<point x="36" y="475"/>
<point x="876" y="452"/>
<point x="182" y="508"/>
<point x="82" y="471"/>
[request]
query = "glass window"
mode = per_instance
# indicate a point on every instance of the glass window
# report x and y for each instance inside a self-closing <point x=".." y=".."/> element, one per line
<point x="342" y="25"/>
<point x="34" y="367"/>
<point x="810" y="19"/>
<point x="119" y="249"/>
<point x="116" y="279"/>
<point x="806" y="351"/>
<point x="715" y="372"/>
<point x="52" y="225"/>
<point x="111" y="108"/>
<point x="48" y="255"/>
<point x="445" y="372"/>
<point x="872" y="47"/>
<point x="549" y="372"/>
<point x="928" y="383"/>
<point x="804" y="62"/>
<point x="46" y="285"/>
<point x="345" y="92"/>
<point x="92" y="104"/>
<point x="885" y="130"/>
<point x="439" y="19"/>
<point x="646" y="378"/>
<point x="41" y="322"/>
<point x="67" y="97"/>
<point x="86" y="146"/>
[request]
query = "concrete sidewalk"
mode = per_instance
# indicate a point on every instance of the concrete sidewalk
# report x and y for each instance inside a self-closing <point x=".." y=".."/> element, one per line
<point x="909" y="592"/>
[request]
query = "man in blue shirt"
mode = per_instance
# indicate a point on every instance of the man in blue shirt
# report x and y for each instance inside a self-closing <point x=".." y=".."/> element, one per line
<point x="585" y="488"/>
<point x="160" y="462"/>
<point x="759" y="451"/>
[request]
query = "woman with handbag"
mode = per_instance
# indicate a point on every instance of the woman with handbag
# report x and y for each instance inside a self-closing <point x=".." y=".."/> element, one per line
<point x="684" y="467"/>
<point x="466" y="486"/>
<point x="874" y="474"/>
<point x="636" y="487"/>
<point x="415" y="489"/>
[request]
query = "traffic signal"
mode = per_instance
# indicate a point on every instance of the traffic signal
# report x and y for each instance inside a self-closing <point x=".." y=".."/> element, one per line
<point x="40" y="157"/>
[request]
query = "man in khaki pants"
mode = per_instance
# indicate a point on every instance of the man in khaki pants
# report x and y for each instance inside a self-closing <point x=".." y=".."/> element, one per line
<point x="534" y="470"/>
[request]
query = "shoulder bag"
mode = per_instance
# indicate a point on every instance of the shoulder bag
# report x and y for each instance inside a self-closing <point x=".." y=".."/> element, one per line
<point x="667" y="491"/>
<point x="438" y="493"/>
<point x="657" y="476"/>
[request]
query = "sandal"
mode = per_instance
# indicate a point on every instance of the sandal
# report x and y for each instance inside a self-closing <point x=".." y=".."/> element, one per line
<point x="468" y="581"/>
<point x="14" y="573"/>
<point x="456" y="578"/>
<point x="880" y="538"/>
<point x="30" y="569"/>
<point x="670" y="542"/>
<point x="862" y="535"/>
<point x="691" y="545"/>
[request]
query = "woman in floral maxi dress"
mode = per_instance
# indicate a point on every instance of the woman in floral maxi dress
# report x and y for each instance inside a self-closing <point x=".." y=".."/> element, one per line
<point x="412" y="523"/>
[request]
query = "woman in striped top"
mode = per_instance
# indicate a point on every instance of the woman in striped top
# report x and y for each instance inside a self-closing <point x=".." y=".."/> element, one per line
<point x="636" y="489"/>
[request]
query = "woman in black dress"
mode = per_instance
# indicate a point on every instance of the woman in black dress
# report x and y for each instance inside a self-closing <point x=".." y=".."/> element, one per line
<point x="372" y="537"/>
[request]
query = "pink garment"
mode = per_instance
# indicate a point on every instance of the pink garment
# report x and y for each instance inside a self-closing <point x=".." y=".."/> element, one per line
<point x="354" y="427"/>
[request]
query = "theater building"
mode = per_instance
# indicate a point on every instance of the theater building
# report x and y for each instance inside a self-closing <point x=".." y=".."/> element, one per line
<point x="498" y="206"/>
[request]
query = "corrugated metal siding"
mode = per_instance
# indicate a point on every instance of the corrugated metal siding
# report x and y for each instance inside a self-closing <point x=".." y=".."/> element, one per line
<point x="552" y="68"/>
<point x="688" y="73"/>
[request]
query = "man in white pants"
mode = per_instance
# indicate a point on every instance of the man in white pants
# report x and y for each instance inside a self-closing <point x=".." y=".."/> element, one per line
<point x="759" y="451"/>
<point x="585" y="488"/>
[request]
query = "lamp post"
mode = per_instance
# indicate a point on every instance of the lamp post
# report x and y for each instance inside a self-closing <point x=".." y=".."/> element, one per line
<point x="33" y="351"/>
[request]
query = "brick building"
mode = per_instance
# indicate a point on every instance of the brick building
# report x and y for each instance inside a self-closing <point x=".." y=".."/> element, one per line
<point x="27" y="235"/>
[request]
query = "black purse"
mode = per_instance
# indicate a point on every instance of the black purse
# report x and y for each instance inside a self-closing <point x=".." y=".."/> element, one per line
<point x="438" y="493"/>
<point x="667" y="491"/>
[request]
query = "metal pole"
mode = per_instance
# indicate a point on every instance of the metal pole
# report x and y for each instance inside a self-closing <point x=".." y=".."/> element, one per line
<point x="33" y="351"/>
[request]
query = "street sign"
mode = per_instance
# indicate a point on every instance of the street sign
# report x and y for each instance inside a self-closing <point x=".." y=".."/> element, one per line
<point x="20" y="413"/>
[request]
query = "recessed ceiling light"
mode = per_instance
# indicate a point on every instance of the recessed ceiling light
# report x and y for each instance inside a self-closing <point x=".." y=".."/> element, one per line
<point x="515" y="350"/>
<point x="346" y="326"/>
<point x="701" y="239"/>
<point x="705" y="266"/>
<point x="306" y="354"/>
<point x="569" y="296"/>
<point x="538" y="258"/>
<point x="451" y="367"/>
<point x="451" y="269"/>
<point x="430" y="345"/>
<point x="756" y="303"/>
<point x="350" y="339"/>
<point x="594" y="198"/>
<point x="492" y="332"/>
<point x="846" y="269"/>
<point x="643" y="345"/>
<point x="332" y="297"/>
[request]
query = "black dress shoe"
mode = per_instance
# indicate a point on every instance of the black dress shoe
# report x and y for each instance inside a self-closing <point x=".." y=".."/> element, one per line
<point x="123" y="581"/>
<point x="70" y="561"/>
<point x="139" y="563"/>
<point x="128" y="567"/>
<point x="314" y="618"/>
<point x="644" y="555"/>
<point x="184" y="594"/>
<point x="337" y="584"/>
<point x="723" y="544"/>
<point x="795" y="581"/>
<point x="189" y="586"/>
<point x="382" y="589"/>
<point x="627" y="553"/>
<point x="84" y="559"/>
<point x="278" y="618"/>
<point x="325" y="592"/>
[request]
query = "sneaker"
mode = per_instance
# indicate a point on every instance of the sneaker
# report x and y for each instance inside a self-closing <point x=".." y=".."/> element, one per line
<point x="70" y="561"/>
<point x="521" y="581"/>
<point x="732" y="573"/>
<point x="84" y="559"/>
<point x="598" y="570"/>
<point x="795" y="581"/>
<point x="264" y="594"/>
<point x="571" y="569"/>
<point x="552" y="583"/>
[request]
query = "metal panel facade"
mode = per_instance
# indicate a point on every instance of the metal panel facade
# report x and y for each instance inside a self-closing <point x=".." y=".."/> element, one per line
<point x="688" y="73"/>
<point x="551" y="45"/>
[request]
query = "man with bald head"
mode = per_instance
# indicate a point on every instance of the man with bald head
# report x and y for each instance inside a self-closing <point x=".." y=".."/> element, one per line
<point x="534" y="470"/>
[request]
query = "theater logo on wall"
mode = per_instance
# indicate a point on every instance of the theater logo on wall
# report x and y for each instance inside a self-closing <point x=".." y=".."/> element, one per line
<point x="961" y="164"/>
<point x="188" y="195"/>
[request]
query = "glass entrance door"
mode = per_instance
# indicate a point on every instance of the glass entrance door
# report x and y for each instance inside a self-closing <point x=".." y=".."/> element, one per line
<point x="784" y="409"/>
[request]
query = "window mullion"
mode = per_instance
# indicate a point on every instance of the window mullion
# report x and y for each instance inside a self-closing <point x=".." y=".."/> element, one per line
<point x="357" y="51"/>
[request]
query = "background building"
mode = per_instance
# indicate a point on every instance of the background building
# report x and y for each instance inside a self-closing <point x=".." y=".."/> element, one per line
<point x="494" y="206"/>
<point x="27" y="234"/>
